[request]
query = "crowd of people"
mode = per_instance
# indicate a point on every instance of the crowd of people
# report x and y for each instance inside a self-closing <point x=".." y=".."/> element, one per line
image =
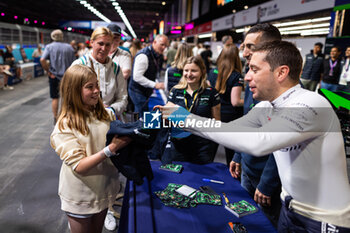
<point x="283" y="158"/>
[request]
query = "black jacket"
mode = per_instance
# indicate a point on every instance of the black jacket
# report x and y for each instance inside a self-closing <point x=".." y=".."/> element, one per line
<point x="132" y="160"/>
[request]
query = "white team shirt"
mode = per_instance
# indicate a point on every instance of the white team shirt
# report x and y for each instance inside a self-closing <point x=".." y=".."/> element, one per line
<point x="303" y="132"/>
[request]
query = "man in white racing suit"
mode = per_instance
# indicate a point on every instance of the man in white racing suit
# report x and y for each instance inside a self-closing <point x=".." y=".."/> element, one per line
<point x="302" y="131"/>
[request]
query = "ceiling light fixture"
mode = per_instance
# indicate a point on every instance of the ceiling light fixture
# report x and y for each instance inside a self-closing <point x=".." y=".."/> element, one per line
<point x="93" y="10"/>
<point x="163" y="3"/>
<point x="305" y="27"/>
<point x="302" y="21"/>
<point x="204" y="35"/>
<point x="118" y="8"/>
<point x="316" y="31"/>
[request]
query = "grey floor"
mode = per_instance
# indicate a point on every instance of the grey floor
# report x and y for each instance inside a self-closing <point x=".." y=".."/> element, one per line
<point x="29" y="168"/>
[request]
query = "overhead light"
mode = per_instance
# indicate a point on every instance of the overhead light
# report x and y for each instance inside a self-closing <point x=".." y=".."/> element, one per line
<point x="157" y="14"/>
<point x="163" y="3"/>
<point x="233" y="11"/>
<point x="115" y="4"/>
<point x="96" y="12"/>
<point x="302" y="21"/>
<point x="246" y="7"/>
<point x="317" y="31"/>
<point x="240" y="30"/>
<point x="305" y="27"/>
<point x="314" y="33"/>
<point x="204" y="35"/>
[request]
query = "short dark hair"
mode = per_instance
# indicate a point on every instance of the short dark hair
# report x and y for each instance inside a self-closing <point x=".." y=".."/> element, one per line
<point x="319" y="44"/>
<point x="337" y="47"/>
<point x="269" y="32"/>
<point x="280" y="53"/>
<point x="226" y="38"/>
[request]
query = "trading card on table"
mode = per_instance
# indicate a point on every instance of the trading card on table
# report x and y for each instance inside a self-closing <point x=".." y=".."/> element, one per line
<point x="187" y="191"/>
<point x="172" y="167"/>
<point x="241" y="208"/>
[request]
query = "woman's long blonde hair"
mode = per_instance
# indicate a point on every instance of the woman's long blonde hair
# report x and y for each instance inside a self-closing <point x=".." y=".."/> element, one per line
<point x="72" y="108"/>
<point x="228" y="61"/>
<point x="197" y="60"/>
<point x="183" y="52"/>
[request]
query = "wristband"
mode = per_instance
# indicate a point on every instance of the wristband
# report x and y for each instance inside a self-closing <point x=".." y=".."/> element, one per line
<point x="107" y="152"/>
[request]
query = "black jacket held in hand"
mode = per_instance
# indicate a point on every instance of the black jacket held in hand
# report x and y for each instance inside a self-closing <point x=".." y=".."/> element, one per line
<point x="132" y="160"/>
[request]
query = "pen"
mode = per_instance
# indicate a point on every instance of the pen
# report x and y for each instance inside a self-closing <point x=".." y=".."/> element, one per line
<point x="231" y="226"/>
<point x="226" y="199"/>
<point x="213" y="181"/>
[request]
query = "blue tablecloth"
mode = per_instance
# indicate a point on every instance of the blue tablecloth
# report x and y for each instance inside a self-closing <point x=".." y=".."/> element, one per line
<point x="150" y="215"/>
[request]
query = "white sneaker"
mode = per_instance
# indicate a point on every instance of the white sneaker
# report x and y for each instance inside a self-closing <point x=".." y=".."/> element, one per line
<point x="8" y="87"/>
<point x="8" y="72"/>
<point x="110" y="221"/>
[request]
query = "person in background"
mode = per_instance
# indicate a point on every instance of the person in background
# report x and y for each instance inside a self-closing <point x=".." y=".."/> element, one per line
<point x="332" y="70"/>
<point x="118" y="55"/>
<point x="344" y="81"/>
<point x="259" y="176"/>
<point x="74" y="45"/>
<point x="5" y="71"/>
<point x="61" y="56"/>
<point x="23" y="55"/>
<point x="146" y="70"/>
<point x="195" y="49"/>
<point x="135" y="47"/>
<point x="174" y="73"/>
<point x="82" y="49"/>
<point x="11" y="61"/>
<point x="227" y="40"/>
<point x="206" y="55"/>
<point x="170" y="55"/>
<point x="229" y="83"/>
<point x="313" y="68"/>
<point x="200" y="49"/>
<point x="37" y="52"/>
<point x="194" y="94"/>
<point x="88" y="179"/>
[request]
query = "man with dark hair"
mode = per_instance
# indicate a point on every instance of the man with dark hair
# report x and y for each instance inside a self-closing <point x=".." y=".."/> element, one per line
<point x="313" y="68"/>
<point x="302" y="131"/>
<point x="259" y="176"/>
<point x="332" y="70"/>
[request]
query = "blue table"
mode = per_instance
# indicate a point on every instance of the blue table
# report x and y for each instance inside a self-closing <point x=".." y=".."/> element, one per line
<point x="143" y="212"/>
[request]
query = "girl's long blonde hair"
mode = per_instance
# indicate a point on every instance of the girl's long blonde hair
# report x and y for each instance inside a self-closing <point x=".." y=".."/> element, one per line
<point x="228" y="61"/>
<point x="72" y="108"/>
<point x="197" y="60"/>
<point x="183" y="52"/>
